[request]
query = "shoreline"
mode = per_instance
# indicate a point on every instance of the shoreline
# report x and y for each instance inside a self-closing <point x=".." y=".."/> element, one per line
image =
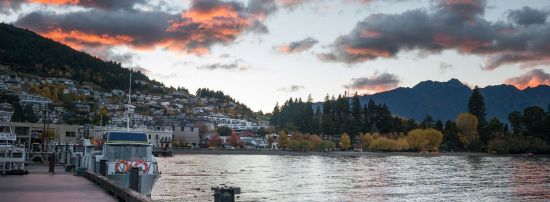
<point x="339" y="153"/>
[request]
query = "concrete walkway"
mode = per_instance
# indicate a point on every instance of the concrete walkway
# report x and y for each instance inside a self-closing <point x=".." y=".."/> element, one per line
<point x="41" y="186"/>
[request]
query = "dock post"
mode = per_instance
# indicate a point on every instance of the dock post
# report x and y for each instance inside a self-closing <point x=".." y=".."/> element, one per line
<point x="225" y="193"/>
<point x="133" y="180"/>
<point x="51" y="168"/>
<point x="93" y="164"/>
<point x="103" y="167"/>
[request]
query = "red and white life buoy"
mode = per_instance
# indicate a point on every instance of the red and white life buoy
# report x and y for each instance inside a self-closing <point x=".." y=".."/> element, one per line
<point x="122" y="166"/>
<point x="143" y="164"/>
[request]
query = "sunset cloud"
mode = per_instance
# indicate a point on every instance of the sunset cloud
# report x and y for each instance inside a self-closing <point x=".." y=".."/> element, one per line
<point x="297" y="46"/>
<point x="375" y="83"/>
<point x="15" y="5"/>
<point x="449" y="25"/>
<point x="532" y="78"/>
<point x="205" y="24"/>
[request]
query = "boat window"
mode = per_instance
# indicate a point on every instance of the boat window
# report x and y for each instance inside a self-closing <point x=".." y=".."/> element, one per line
<point x="126" y="152"/>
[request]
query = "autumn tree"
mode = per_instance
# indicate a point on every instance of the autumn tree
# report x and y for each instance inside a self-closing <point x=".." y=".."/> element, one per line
<point x="215" y="141"/>
<point x="467" y="124"/>
<point x="234" y="140"/>
<point x="283" y="140"/>
<point x="345" y="142"/>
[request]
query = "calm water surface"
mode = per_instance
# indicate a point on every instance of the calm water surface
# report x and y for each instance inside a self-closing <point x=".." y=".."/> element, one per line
<point x="323" y="178"/>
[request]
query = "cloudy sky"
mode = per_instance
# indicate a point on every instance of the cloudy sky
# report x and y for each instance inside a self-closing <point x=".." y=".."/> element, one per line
<point x="265" y="51"/>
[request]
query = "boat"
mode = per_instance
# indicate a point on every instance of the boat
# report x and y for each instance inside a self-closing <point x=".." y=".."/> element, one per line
<point x="122" y="149"/>
<point x="12" y="156"/>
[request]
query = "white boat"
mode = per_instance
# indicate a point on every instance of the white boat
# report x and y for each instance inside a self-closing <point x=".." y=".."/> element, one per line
<point x="122" y="151"/>
<point x="12" y="157"/>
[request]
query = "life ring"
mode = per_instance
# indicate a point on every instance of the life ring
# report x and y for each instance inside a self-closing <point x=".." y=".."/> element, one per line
<point x="144" y="163"/>
<point x="124" y="169"/>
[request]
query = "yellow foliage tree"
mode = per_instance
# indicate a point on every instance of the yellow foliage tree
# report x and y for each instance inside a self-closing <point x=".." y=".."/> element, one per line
<point x="467" y="124"/>
<point x="314" y="142"/>
<point x="283" y="139"/>
<point x="345" y="142"/>
<point x="424" y="139"/>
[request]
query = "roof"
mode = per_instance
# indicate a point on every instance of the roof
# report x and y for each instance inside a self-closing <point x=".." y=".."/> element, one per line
<point x="126" y="137"/>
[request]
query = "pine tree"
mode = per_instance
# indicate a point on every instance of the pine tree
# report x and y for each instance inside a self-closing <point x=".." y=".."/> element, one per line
<point x="326" y="120"/>
<point x="356" y="116"/>
<point x="476" y="106"/>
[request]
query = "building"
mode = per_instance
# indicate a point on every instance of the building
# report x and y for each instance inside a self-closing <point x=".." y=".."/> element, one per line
<point x="187" y="134"/>
<point x="28" y="133"/>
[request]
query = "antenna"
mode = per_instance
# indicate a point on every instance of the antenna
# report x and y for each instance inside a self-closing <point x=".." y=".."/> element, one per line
<point x="129" y="97"/>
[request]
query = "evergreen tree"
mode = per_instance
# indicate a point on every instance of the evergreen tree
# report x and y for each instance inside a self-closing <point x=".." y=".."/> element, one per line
<point x="515" y="118"/>
<point x="439" y="125"/>
<point x="476" y="106"/>
<point x="357" y="119"/>
<point x="428" y="122"/>
<point x="451" y="140"/>
<point x="28" y="114"/>
<point x="326" y="120"/>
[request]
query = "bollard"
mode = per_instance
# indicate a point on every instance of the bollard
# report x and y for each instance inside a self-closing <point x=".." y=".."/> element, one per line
<point x="51" y="168"/>
<point x="93" y="164"/>
<point x="225" y="193"/>
<point x="103" y="167"/>
<point x="133" y="179"/>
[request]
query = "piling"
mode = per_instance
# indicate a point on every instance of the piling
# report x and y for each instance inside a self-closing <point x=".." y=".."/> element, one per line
<point x="133" y="179"/>
<point x="103" y="167"/>
<point x="51" y="167"/>
<point x="225" y="193"/>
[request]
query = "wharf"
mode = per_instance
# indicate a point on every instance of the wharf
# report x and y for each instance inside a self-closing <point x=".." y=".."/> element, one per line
<point x="39" y="185"/>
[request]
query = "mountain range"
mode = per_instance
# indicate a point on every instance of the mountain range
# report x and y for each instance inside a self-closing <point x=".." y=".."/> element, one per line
<point x="445" y="100"/>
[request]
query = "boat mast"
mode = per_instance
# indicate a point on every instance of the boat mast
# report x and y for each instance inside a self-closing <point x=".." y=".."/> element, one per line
<point x="129" y="98"/>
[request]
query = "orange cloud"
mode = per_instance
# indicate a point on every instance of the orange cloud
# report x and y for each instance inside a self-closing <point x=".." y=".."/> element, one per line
<point x="532" y="78"/>
<point x="79" y="40"/>
<point x="56" y="2"/>
<point x="375" y="83"/>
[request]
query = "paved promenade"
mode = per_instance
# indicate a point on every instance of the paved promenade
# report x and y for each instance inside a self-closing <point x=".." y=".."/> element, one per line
<point x="41" y="186"/>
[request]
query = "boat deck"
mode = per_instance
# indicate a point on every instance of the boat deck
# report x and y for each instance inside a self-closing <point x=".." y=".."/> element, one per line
<point x="41" y="186"/>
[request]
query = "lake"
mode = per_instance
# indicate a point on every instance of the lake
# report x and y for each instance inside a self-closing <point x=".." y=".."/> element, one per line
<point x="365" y="178"/>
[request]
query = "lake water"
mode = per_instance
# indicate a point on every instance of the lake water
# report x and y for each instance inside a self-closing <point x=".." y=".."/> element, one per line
<point x="365" y="178"/>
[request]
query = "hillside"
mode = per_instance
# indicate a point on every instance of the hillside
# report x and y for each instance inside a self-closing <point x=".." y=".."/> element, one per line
<point x="27" y="52"/>
<point x="445" y="100"/>
<point x="90" y="84"/>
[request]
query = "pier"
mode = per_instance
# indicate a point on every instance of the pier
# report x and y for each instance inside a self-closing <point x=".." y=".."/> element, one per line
<point x="39" y="185"/>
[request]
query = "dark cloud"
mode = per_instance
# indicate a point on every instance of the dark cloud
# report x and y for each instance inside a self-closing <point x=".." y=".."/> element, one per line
<point x="235" y="65"/>
<point x="532" y="78"/>
<point x="449" y="25"/>
<point x="291" y="4"/>
<point x="443" y="67"/>
<point x="375" y="83"/>
<point x="527" y="16"/>
<point x="291" y="89"/>
<point x="8" y="6"/>
<point x="15" y="5"/>
<point x="297" y="46"/>
<point x="205" y="24"/>
<point x="99" y="27"/>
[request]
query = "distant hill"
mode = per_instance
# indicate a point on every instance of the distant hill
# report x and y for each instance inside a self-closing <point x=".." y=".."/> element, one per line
<point x="28" y="52"/>
<point x="445" y="100"/>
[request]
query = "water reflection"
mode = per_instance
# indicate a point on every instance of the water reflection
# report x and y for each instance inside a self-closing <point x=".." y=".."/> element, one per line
<point x="319" y="178"/>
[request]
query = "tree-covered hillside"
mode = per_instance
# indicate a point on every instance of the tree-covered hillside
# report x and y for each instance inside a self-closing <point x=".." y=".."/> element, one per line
<point x="28" y="52"/>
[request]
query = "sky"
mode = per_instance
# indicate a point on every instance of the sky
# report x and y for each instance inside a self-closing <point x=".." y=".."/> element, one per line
<point x="262" y="52"/>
